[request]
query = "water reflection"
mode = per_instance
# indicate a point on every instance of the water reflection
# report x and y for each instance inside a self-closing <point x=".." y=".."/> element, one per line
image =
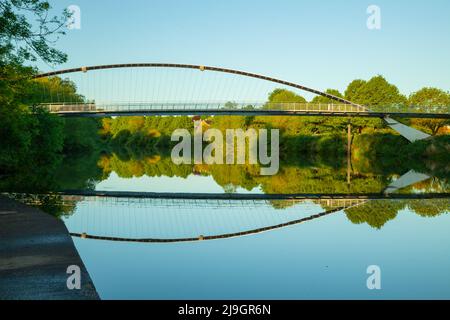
<point x="314" y="247"/>
<point x="187" y="211"/>
<point x="177" y="249"/>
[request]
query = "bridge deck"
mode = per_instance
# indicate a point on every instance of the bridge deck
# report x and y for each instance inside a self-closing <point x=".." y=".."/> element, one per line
<point x="217" y="112"/>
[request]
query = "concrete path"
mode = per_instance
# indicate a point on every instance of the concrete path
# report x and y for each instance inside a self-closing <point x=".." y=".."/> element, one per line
<point x="35" y="251"/>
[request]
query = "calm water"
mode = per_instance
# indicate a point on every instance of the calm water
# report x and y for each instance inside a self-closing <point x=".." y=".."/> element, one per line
<point x="254" y="249"/>
<point x="325" y="257"/>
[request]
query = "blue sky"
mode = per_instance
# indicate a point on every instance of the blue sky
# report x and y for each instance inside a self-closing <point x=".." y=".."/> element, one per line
<point x="320" y="44"/>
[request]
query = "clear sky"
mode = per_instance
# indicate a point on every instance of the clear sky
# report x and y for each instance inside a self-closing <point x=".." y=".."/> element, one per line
<point x="321" y="44"/>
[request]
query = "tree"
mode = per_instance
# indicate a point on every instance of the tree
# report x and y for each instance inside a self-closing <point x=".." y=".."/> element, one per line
<point x="22" y="40"/>
<point x="229" y="105"/>
<point x="279" y="97"/>
<point x="26" y="33"/>
<point x="430" y="99"/>
<point x="322" y="99"/>
<point x="283" y="95"/>
<point x="375" y="93"/>
<point x="351" y="93"/>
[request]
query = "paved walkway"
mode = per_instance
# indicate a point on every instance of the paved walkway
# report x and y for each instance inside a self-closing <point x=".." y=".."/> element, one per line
<point x="35" y="251"/>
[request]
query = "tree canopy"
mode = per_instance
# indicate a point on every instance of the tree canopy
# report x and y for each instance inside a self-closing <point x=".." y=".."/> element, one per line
<point x="432" y="99"/>
<point x="322" y="99"/>
<point x="283" y="95"/>
<point x="28" y="31"/>
<point x="375" y="93"/>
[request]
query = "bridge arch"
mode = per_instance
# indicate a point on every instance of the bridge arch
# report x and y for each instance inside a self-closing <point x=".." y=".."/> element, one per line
<point x="210" y="237"/>
<point x="200" y="68"/>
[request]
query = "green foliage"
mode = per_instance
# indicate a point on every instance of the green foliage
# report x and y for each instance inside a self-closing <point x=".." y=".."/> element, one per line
<point x="229" y="105"/>
<point x="28" y="138"/>
<point x="352" y="91"/>
<point x="28" y="133"/>
<point x="375" y="93"/>
<point x="280" y="96"/>
<point x="430" y="208"/>
<point x="432" y="100"/>
<point x="325" y="100"/>
<point x="386" y="153"/>
<point x="375" y="212"/>
<point x="50" y="90"/>
<point x="151" y="125"/>
<point x="28" y="31"/>
<point x="81" y="135"/>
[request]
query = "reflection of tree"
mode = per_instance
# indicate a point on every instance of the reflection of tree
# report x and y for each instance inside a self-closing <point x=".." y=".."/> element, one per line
<point x="429" y="208"/>
<point x="375" y="212"/>
<point x="152" y="166"/>
<point x="432" y="185"/>
<point x="236" y="175"/>
<point x="49" y="203"/>
<point x="229" y="188"/>
<point x="290" y="178"/>
<point x="294" y="179"/>
<point x="53" y="204"/>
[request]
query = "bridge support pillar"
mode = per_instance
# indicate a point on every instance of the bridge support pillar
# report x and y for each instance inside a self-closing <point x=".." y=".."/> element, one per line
<point x="349" y="151"/>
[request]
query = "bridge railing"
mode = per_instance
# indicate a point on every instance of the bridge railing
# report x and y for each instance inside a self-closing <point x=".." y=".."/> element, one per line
<point x="166" y="106"/>
<point x="412" y="109"/>
<point x="237" y="106"/>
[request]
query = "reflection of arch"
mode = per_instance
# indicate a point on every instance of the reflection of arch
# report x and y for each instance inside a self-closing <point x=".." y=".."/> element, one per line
<point x="202" y="237"/>
<point x="201" y="68"/>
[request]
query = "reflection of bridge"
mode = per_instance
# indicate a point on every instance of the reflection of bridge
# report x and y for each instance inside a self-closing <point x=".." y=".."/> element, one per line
<point x="209" y="237"/>
<point x="184" y="217"/>
<point x="99" y="102"/>
<point x="249" y="196"/>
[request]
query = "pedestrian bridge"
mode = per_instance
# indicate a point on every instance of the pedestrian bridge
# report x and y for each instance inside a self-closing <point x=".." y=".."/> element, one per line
<point x="183" y="89"/>
<point x="237" y="108"/>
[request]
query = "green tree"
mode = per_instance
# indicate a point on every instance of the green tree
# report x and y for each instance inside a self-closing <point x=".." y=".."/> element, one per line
<point x="229" y="105"/>
<point x="322" y="99"/>
<point x="352" y="91"/>
<point x="375" y="93"/>
<point x="28" y="31"/>
<point x="434" y="100"/>
<point x="283" y="95"/>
